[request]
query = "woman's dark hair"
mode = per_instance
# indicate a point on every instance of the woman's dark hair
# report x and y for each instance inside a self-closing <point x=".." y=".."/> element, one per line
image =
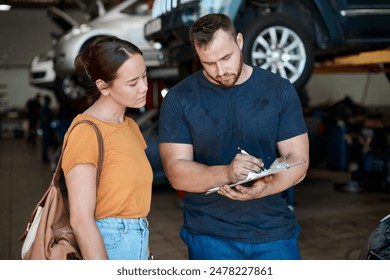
<point x="202" y="31"/>
<point x="102" y="58"/>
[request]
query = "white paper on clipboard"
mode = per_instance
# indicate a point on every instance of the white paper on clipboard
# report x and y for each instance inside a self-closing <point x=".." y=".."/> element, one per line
<point x="277" y="166"/>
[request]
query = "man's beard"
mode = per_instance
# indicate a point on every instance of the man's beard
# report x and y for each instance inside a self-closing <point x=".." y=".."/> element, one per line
<point x="233" y="77"/>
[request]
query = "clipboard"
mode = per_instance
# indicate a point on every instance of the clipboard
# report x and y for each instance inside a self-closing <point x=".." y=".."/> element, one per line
<point x="279" y="165"/>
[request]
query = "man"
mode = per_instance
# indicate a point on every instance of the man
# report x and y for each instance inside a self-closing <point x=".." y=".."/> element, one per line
<point x="203" y="120"/>
<point x="33" y="108"/>
<point x="47" y="130"/>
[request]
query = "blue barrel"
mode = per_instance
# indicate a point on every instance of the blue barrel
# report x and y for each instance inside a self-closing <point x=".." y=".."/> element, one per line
<point x="337" y="146"/>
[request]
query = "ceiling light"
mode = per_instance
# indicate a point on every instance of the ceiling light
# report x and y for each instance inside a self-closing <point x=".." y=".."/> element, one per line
<point x="4" y="7"/>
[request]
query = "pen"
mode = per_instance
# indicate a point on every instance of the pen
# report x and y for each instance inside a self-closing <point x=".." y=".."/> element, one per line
<point x="246" y="153"/>
<point x="243" y="151"/>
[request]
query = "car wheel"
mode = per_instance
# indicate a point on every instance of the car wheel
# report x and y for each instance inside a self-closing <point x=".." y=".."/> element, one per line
<point x="69" y="88"/>
<point x="278" y="44"/>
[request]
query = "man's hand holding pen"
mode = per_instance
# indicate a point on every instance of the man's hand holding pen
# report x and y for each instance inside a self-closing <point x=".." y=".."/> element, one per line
<point x="240" y="167"/>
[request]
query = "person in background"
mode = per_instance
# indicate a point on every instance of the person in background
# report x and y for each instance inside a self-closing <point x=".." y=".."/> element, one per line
<point x="204" y="119"/>
<point x="110" y="220"/>
<point x="33" y="111"/>
<point x="47" y="130"/>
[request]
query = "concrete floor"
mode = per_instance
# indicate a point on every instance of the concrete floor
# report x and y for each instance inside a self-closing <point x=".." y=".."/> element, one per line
<point x="334" y="225"/>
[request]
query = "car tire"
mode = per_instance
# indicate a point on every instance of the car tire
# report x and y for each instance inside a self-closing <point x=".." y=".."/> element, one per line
<point x="69" y="88"/>
<point x="294" y="59"/>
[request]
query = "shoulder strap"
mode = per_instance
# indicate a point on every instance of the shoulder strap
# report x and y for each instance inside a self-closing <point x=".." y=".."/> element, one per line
<point x="57" y="172"/>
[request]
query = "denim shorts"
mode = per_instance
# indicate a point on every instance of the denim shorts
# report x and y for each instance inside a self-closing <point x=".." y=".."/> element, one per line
<point x="202" y="247"/>
<point x="125" y="239"/>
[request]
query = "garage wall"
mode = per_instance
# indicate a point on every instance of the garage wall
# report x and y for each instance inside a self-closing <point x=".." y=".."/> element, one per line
<point x="17" y="87"/>
<point x="24" y="33"/>
<point x="369" y="89"/>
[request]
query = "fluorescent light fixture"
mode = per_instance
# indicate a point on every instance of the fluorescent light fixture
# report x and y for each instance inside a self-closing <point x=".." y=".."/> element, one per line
<point x="4" y="7"/>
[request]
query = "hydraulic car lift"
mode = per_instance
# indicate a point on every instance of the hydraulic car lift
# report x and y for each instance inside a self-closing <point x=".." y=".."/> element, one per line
<point x="372" y="61"/>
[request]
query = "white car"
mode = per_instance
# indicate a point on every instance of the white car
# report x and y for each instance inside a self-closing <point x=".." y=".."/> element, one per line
<point x="126" y="21"/>
<point x="41" y="72"/>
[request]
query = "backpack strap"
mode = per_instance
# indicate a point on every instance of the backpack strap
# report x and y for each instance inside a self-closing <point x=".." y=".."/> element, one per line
<point x="57" y="172"/>
<point x="55" y="181"/>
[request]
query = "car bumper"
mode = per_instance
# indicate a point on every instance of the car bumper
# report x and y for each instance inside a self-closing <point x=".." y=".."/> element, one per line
<point x="171" y="31"/>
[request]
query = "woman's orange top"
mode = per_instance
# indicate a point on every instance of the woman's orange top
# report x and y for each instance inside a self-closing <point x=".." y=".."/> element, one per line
<point x="125" y="187"/>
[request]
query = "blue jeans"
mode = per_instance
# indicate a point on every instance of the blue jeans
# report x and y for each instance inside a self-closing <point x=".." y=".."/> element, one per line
<point x="125" y="239"/>
<point x="202" y="247"/>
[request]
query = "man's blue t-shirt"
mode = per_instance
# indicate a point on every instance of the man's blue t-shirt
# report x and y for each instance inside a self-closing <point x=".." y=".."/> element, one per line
<point x="216" y="120"/>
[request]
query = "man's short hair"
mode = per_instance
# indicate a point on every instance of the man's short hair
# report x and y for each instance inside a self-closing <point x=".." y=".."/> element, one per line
<point x="202" y="31"/>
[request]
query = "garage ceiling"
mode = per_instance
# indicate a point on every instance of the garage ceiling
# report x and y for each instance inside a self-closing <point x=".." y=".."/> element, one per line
<point x="39" y="4"/>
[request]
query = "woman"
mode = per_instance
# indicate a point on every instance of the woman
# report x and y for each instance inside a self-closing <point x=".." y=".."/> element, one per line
<point x="109" y="220"/>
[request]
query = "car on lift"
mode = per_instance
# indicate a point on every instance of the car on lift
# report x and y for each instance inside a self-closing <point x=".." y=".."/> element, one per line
<point x="41" y="72"/>
<point x="286" y="37"/>
<point x="125" y="20"/>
